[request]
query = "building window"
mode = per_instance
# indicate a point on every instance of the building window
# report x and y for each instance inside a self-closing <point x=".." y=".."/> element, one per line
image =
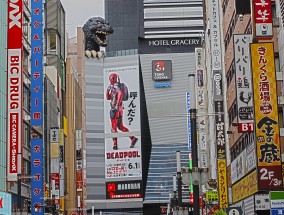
<point x="52" y="41"/>
<point x="26" y="171"/>
<point x="27" y="95"/>
<point x="27" y="136"/>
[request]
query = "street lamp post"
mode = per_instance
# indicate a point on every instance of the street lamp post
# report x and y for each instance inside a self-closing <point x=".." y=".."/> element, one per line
<point x="174" y="205"/>
<point x="194" y="149"/>
<point x="179" y="180"/>
<point x="53" y="197"/>
<point x="19" y="192"/>
<point x="78" y="204"/>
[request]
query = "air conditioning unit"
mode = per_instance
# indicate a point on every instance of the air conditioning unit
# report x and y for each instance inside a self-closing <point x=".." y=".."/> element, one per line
<point x="281" y="130"/>
<point x="281" y="100"/>
<point x="275" y="21"/>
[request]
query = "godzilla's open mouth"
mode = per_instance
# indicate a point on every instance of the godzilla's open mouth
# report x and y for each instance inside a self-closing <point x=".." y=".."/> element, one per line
<point x="101" y="37"/>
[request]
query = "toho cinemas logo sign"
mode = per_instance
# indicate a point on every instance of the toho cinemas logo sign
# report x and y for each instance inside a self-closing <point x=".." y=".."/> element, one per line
<point x="15" y="14"/>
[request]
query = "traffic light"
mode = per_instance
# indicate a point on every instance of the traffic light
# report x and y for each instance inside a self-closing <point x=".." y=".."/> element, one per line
<point x="191" y="198"/>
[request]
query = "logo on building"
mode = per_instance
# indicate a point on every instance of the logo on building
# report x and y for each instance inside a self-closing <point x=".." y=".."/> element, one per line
<point x="161" y="70"/>
<point x="218" y="95"/>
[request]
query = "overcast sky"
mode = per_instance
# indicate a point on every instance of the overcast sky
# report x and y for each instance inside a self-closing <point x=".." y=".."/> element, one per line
<point x="79" y="11"/>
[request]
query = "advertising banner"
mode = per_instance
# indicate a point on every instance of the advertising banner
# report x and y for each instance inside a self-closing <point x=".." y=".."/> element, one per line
<point x="5" y="203"/>
<point x="124" y="189"/>
<point x="243" y="82"/>
<point x="37" y="106"/>
<point x="188" y="119"/>
<point x="277" y="202"/>
<point x="263" y="19"/>
<point x="222" y="184"/>
<point x="61" y="163"/>
<point x="201" y="106"/>
<point x="54" y="143"/>
<point x="55" y="195"/>
<point x="217" y="83"/>
<point x="214" y="17"/>
<point x="211" y="196"/>
<point x="79" y="161"/>
<point x="14" y="89"/>
<point x="262" y="202"/>
<point x="122" y="123"/>
<point x="239" y="167"/>
<point x="245" y="187"/>
<point x="266" y="117"/>
<point x="220" y="130"/>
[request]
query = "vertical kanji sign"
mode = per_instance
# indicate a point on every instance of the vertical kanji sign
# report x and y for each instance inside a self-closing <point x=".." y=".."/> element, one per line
<point x="14" y="89"/>
<point x="243" y="82"/>
<point x="263" y="19"/>
<point x="37" y="106"/>
<point x="266" y="117"/>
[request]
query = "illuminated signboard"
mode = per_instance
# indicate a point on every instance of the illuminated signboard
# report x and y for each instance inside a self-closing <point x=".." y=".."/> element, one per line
<point x="245" y="187"/>
<point x="124" y="189"/>
<point x="266" y="117"/>
<point x="14" y="89"/>
<point x="222" y="184"/>
<point x="161" y="70"/>
<point x="37" y="105"/>
<point x="243" y="82"/>
<point x="263" y="19"/>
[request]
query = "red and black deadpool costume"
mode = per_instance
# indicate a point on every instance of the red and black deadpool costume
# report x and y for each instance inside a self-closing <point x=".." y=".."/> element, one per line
<point x="115" y="94"/>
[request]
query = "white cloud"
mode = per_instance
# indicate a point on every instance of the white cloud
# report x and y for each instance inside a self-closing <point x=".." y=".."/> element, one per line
<point x="79" y="11"/>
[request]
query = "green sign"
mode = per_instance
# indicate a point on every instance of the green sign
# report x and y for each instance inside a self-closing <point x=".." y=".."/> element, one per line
<point x="276" y="195"/>
<point x="211" y="196"/>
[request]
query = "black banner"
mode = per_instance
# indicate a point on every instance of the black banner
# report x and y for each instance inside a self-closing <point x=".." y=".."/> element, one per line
<point x="124" y="189"/>
<point x="220" y="130"/>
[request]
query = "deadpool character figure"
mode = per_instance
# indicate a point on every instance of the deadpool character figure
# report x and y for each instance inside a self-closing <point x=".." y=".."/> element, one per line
<point x="114" y="94"/>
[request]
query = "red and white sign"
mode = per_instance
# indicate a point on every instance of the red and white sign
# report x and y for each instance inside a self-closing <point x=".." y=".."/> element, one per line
<point x="14" y="88"/>
<point x="263" y="19"/>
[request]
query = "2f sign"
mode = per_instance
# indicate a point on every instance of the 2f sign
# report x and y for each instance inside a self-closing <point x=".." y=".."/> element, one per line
<point x="269" y="176"/>
<point x="245" y="127"/>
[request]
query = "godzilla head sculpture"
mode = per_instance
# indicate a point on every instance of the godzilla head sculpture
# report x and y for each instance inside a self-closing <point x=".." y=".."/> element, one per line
<point x="96" y="29"/>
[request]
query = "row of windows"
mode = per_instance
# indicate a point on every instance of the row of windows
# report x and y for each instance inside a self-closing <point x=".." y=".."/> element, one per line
<point x="231" y="73"/>
<point x="230" y="31"/>
<point x="233" y="111"/>
<point x="224" y="6"/>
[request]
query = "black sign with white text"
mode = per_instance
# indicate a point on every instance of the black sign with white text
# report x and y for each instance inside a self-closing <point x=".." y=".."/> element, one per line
<point x="124" y="189"/>
<point x="162" y="70"/>
<point x="220" y="130"/>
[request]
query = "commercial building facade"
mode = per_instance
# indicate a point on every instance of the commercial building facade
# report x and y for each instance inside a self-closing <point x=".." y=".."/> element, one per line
<point x="3" y="76"/>
<point x="239" y="37"/>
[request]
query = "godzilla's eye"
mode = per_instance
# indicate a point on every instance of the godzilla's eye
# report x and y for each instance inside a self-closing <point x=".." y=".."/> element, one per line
<point x="99" y="22"/>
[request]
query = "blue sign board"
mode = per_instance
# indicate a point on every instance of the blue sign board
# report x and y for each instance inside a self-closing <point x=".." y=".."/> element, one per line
<point x="37" y="107"/>
<point x="160" y="85"/>
<point x="5" y="203"/>
<point x="277" y="211"/>
<point x="188" y="119"/>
